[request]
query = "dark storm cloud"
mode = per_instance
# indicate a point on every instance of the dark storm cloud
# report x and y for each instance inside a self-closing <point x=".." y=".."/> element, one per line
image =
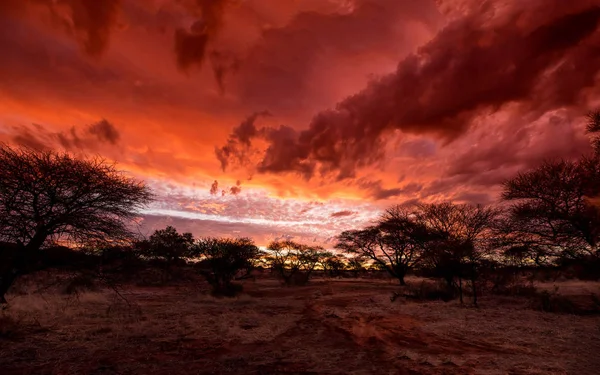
<point x="233" y="190"/>
<point x="239" y="146"/>
<point x="214" y="188"/>
<point x="191" y="45"/>
<point x="343" y="214"/>
<point x="86" y="138"/>
<point x="539" y="54"/>
<point x="278" y="71"/>
<point x="89" y="22"/>
<point x="378" y="192"/>
<point x="105" y="131"/>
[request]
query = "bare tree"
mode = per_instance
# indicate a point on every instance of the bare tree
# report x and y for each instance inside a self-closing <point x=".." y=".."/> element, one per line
<point x="223" y="260"/>
<point x="50" y="196"/>
<point x="293" y="262"/>
<point x="551" y="210"/>
<point x="395" y="243"/>
<point x="466" y="239"/>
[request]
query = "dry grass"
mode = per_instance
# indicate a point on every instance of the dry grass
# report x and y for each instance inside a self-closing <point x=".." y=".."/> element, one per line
<point x="328" y="327"/>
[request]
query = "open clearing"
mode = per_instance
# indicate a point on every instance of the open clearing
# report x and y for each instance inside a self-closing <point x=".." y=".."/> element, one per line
<point x="327" y="327"/>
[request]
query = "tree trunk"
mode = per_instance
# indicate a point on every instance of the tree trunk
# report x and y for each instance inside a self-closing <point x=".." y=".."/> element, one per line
<point x="401" y="280"/>
<point x="460" y="292"/>
<point x="474" y="285"/>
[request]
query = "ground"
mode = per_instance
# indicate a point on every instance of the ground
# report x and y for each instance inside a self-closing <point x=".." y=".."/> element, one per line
<point x="328" y="327"/>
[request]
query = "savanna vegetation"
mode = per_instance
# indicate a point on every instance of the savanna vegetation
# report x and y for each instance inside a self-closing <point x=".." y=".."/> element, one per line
<point x="436" y="287"/>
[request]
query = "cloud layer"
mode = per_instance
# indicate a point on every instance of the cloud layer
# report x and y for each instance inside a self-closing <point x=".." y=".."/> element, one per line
<point x="528" y="54"/>
<point x="274" y="118"/>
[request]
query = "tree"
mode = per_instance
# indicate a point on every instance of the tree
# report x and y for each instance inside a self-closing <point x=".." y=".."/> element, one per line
<point x="332" y="264"/>
<point x="356" y="264"/>
<point x="169" y="245"/>
<point x="465" y="234"/>
<point x="593" y="129"/>
<point x="551" y="211"/>
<point x="50" y="196"/>
<point x="395" y="243"/>
<point x="224" y="260"/>
<point x="293" y="262"/>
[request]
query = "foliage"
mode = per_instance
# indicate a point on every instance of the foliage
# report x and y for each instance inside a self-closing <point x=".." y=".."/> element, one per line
<point x="466" y="239"/>
<point x="333" y="265"/>
<point x="292" y="261"/>
<point x="225" y="259"/>
<point x="168" y="245"/>
<point x="49" y="196"/>
<point x="551" y="216"/>
<point x="396" y="243"/>
<point x="356" y="264"/>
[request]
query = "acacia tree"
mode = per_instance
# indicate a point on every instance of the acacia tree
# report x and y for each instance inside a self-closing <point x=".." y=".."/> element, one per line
<point x="332" y="264"/>
<point x="224" y="260"/>
<point x="551" y="213"/>
<point x="293" y="262"/>
<point x="356" y="264"/>
<point x="395" y="243"/>
<point x="47" y="196"/>
<point x="169" y="245"/>
<point x="465" y="239"/>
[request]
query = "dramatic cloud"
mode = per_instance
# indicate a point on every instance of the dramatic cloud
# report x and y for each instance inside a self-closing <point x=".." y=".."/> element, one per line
<point x="191" y="44"/>
<point x="378" y="192"/>
<point x="539" y="55"/>
<point x="436" y="100"/>
<point x="342" y="213"/>
<point x="214" y="188"/>
<point x="89" y="22"/>
<point x="283" y="70"/>
<point x="234" y="190"/>
<point x="82" y="139"/>
<point x="105" y="131"/>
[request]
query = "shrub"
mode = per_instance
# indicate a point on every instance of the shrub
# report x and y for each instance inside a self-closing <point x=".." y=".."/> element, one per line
<point x="293" y="262"/>
<point x="224" y="260"/>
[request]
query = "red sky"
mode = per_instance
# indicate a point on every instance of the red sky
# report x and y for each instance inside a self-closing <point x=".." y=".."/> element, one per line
<point x="312" y="115"/>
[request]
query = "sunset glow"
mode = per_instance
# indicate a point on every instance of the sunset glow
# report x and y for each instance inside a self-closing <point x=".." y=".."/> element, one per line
<point x="311" y="116"/>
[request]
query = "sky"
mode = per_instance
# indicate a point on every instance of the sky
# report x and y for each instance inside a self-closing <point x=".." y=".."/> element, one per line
<point x="301" y="118"/>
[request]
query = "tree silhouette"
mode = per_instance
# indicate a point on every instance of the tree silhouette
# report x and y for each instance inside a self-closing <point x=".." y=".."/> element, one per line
<point x="395" y="243"/>
<point x="169" y="245"/>
<point x="465" y="240"/>
<point x="552" y="213"/>
<point x="332" y="264"/>
<point x="225" y="259"/>
<point x="292" y="261"/>
<point x="50" y="196"/>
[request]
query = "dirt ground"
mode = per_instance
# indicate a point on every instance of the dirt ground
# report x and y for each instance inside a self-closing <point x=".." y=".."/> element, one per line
<point x="328" y="327"/>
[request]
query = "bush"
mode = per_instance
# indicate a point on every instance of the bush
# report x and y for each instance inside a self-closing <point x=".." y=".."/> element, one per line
<point x="225" y="260"/>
